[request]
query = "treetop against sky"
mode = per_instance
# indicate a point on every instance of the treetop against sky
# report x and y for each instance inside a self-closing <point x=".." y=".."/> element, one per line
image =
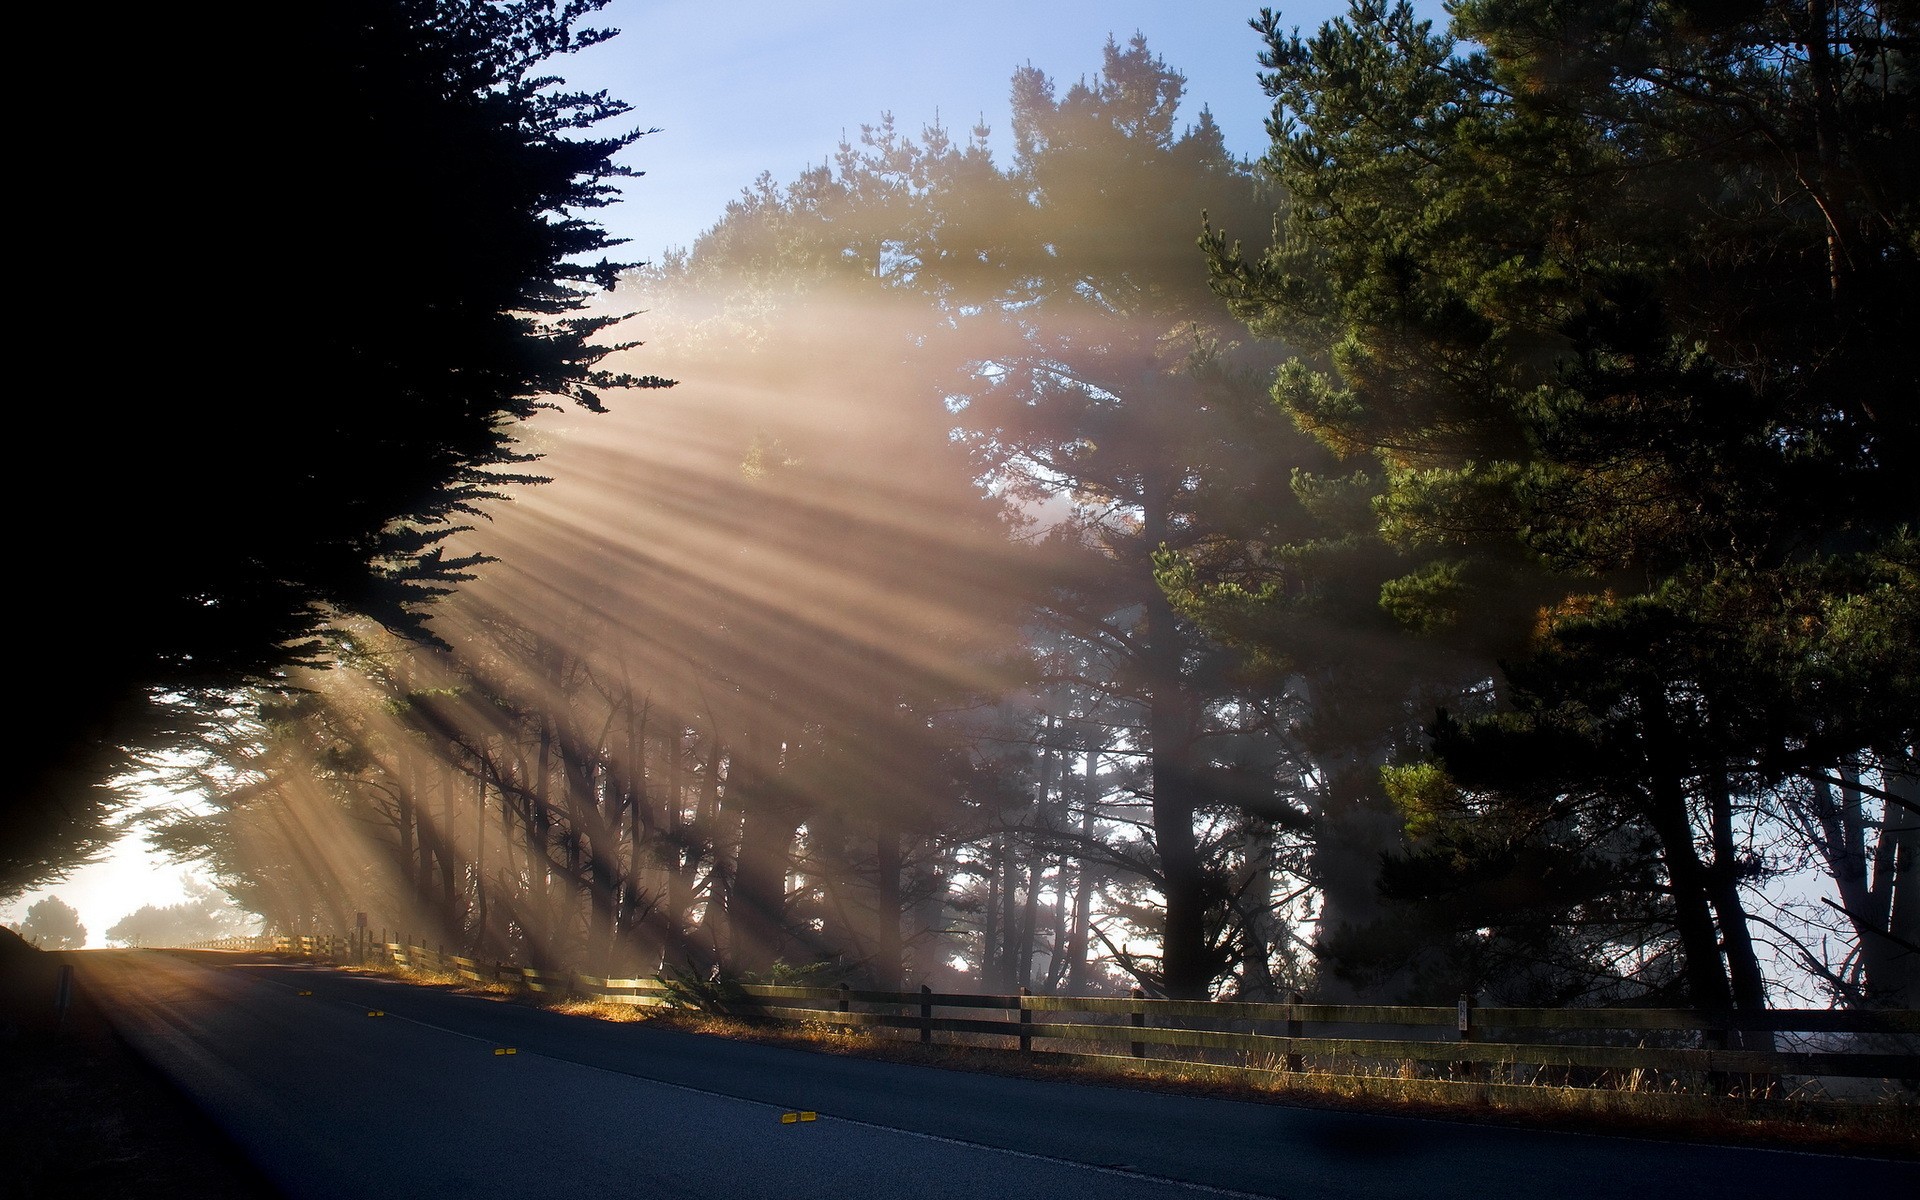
<point x="774" y="86"/>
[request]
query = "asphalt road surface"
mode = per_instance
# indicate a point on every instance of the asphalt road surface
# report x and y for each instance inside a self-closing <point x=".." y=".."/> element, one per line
<point x="333" y="1103"/>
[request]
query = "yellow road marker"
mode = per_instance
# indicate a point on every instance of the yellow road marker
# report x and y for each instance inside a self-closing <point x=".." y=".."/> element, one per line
<point x="791" y="1118"/>
<point x="809" y="1116"/>
<point x="376" y="1012"/>
<point x="303" y="993"/>
<point x="505" y="1050"/>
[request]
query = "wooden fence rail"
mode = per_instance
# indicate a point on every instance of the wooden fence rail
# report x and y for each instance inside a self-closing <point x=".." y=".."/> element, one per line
<point x="1464" y="1041"/>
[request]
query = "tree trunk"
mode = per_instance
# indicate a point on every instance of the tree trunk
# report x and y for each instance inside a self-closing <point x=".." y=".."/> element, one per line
<point x="1186" y="972"/>
<point x="683" y="857"/>
<point x="1899" y="985"/>
<point x="990" y="920"/>
<point x="756" y="909"/>
<point x="1009" y="913"/>
<point x="1255" y="906"/>
<point x="639" y="903"/>
<point x="538" y="815"/>
<point x="715" y="849"/>
<point x="888" y="947"/>
<point x="1077" y="975"/>
<point x="447" y="854"/>
<point x="403" y="801"/>
<point x="592" y="843"/>
<point x="1686" y="876"/>
<point x="1749" y="985"/>
<point x="1036" y="866"/>
<point x="479" y="938"/>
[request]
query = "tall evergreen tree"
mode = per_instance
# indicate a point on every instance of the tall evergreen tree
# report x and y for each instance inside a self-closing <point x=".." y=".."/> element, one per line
<point x="1612" y="296"/>
<point x="1057" y="310"/>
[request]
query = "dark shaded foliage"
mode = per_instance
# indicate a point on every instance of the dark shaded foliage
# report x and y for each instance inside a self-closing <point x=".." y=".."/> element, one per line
<point x="333" y="255"/>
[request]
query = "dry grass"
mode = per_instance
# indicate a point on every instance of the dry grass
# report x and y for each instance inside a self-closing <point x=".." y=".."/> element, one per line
<point x="1887" y="1129"/>
<point x="601" y="1010"/>
<point x="1890" y="1129"/>
<point x="444" y="980"/>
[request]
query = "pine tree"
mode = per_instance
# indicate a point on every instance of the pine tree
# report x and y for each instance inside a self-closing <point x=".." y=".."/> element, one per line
<point x="1611" y="296"/>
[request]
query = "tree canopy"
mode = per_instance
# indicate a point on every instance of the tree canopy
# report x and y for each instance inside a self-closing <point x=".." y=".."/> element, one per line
<point x="53" y="924"/>
<point x="1612" y="297"/>
<point x="204" y="916"/>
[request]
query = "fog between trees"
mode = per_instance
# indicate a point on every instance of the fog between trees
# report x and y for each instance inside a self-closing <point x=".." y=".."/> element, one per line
<point x="977" y="611"/>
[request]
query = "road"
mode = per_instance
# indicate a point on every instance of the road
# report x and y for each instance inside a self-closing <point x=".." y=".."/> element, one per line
<point x="333" y="1103"/>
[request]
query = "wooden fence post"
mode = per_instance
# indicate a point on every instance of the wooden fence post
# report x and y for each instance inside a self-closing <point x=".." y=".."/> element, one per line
<point x="1718" y="1083"/>
<point x="63" y="997"/>
<point x="1296" y="1028"/>
<point x="1026" y="1023"/>
<point x="1464" y="1069"/>
<point x="1139" y="1020"/>
<point x="926" y="1014"/>
<point x="846" y="994"/>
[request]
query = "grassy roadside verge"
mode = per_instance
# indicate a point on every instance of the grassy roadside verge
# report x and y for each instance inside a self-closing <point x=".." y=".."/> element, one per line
<point x="1880" y="1130"/>
<point x="82" y="1115"/>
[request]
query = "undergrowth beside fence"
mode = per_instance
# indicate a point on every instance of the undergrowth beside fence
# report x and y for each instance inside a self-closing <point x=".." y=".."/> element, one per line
<point x="1660" y="1090"/>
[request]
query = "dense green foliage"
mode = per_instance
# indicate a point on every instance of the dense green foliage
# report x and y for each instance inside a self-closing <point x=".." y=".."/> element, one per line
<point x="1614" y="297"/>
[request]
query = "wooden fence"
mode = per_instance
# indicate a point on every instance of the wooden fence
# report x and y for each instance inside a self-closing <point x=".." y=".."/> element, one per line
<point x="1645" y="1048"/>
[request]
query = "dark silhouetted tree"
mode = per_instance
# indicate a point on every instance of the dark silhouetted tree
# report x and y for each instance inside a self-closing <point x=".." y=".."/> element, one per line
<point x="53" y="924"/>
<point x="344" y="255"/>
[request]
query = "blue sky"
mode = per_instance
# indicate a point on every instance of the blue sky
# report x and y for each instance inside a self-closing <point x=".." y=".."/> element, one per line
<point x="759" y="85"/>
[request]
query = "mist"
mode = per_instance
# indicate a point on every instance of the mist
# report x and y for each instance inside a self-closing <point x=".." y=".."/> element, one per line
<point x="969" y="613"/>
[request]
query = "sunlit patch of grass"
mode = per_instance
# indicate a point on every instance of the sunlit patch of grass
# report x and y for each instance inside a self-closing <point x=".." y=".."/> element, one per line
<point x="422" y="977"/>
<point x="600" y="1010"/>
